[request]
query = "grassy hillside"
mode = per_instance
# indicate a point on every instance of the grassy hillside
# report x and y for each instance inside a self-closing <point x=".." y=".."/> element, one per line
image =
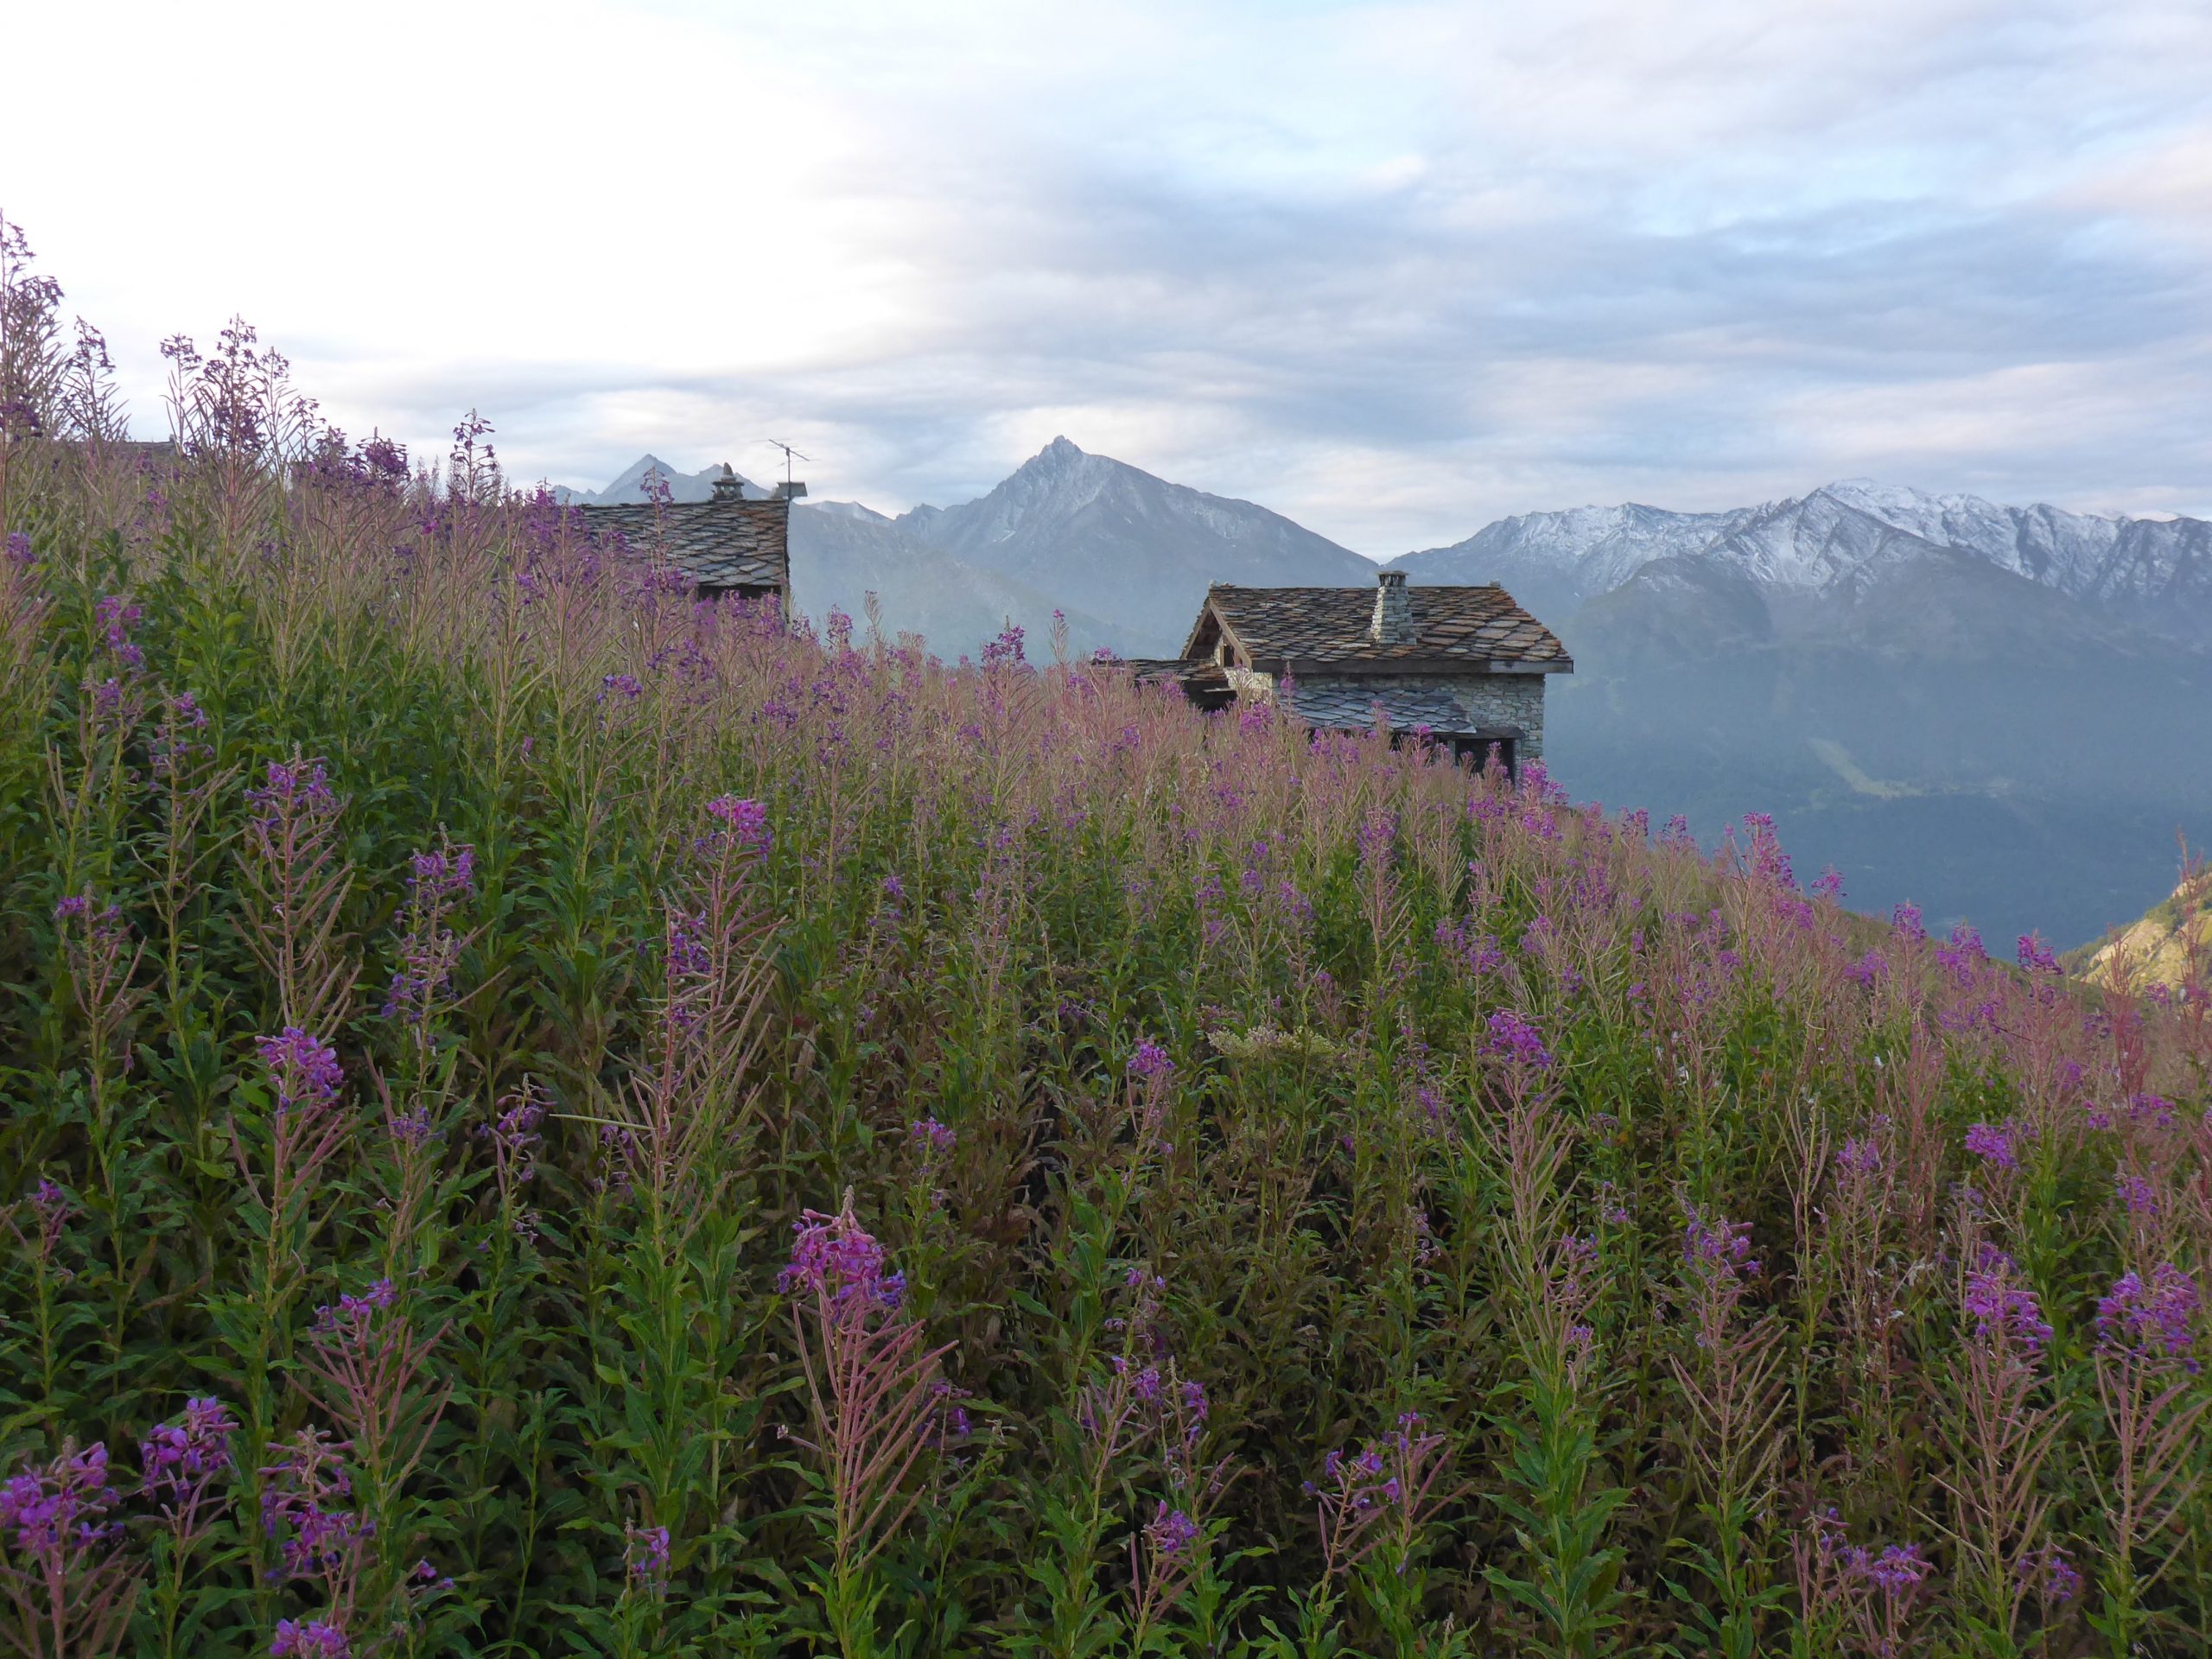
<point x="2168" y="951"/>
<point x="600" y="1125"/>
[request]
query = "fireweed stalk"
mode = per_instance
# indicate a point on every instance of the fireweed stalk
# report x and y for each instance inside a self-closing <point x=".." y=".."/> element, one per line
<point x="872" y="1399"/>
<point x="1730" y="1379"/>
<point x="1372" y="1509"/>
<point x="298" y="1126"/>
<point x="1112" y="1350"/>
<point x="1559" y="1518"/>
<point x="1098" y="1438"/>
<point x="673" y="1345"/>
<point x="2149" y="1386"/>
<point x="368" y="1365"/>
<point x="182" y="1465"/>
<point x="103" y="960"/>
<point x="2000" y="1437"/>
<point x="296" y="877"/>
<point x="40" y="1224"/>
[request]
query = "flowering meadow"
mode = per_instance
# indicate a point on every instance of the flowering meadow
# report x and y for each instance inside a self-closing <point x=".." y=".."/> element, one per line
<point x="542" y="1117"/>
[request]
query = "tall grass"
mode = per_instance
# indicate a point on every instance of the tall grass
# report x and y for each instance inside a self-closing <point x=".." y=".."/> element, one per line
<point x="544" y="1117"/>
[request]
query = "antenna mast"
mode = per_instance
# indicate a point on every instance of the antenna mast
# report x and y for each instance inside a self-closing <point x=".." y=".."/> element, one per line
<point x="789" y="455"/>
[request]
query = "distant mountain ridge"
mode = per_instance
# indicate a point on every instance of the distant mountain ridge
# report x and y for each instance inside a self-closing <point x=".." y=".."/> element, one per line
<point x="2151" y="573"/>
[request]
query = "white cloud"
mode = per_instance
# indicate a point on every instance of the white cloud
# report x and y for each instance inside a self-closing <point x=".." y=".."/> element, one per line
<point x="1393" y="268"/>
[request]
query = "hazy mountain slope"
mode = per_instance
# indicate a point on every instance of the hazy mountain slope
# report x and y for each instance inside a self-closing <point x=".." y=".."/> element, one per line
<point x="1942" y="730"/>
<point x="2171" y="946"/>
<point x="1108" y="538"/>
<point x="842" y="552"/>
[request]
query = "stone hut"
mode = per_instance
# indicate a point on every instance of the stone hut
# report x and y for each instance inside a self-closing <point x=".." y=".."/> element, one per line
<point x="730" y="544"/>
<point x="1462" y="665"/>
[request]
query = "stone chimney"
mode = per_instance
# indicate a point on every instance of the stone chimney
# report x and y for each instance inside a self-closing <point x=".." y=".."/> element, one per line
<point x="728" y="487"/>
<point x="1394" y="612"/>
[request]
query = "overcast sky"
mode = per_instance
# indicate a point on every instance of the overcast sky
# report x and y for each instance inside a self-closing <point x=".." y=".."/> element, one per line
<point x="1393" y="269"/>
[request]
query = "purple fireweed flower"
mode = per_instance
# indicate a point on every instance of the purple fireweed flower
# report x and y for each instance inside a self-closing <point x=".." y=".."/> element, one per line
<point x="1719" y="1246"/>
<point x="1151" y="1063"/>
<point x="2137" y="1195"/>
<point x="1896" y="1569"/>
<point x="932" y="1137"/>
<point x="2153" y="1321"/>
<point x="415" y="1129"/>
<point x="836" y="1255"/>
<point x="2035" y="956"/>
<point x="1610" y="1210"/>
<point x="1170" y="1532"/>
<point x="19" y="547"/>
<point x="355" y="1311"/>
<point x="185" y="710"/>
<point x="310" y="1638"/>
<point x="2153" y="1109"/>
<point x="1869" y="971"/>
<point x="1906" y="922"/>
<point x="1195" y="1406"/>
<point x="306" y="1072"/>
<point x="1997" y="1144"/>
<point x="177" y="1457"/>
<point x="2049" y="1572"/>
<point x="1861" y="1155"/>
<point x="645" y="1551"/>
<point x="689" y="953"/>
<point x="2001" y="1309"/>
<point x="1516" y="1042"/>
<point x="304" y="787"/>
<point x="52" y="1508"/>
<point x="1830" y="885"/>
<point x="316" y="1539"/>
<point x="52" y="1207"/>
<point x="747" y="821"/>
<point x="622" y="686"/>
<point x="514" y="1133"/>
<point x="118" y="616"/>
<point x="442" y="872"/>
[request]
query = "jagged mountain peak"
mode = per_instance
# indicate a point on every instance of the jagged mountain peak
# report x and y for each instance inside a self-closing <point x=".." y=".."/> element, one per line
<point x="628" y="485"/>
<point x="1118" y="541"/>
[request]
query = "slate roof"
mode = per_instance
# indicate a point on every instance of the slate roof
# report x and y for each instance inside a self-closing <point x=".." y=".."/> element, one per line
<point x="1469" y="629"/>
<point x="720" y="544"/>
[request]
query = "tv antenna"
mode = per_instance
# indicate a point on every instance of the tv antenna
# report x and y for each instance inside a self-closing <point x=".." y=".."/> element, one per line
<point x="789" y="455"/>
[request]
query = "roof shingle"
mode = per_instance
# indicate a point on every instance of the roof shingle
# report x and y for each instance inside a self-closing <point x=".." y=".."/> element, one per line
<point x="1471" y="628"/>
<point x="723" y="544"/>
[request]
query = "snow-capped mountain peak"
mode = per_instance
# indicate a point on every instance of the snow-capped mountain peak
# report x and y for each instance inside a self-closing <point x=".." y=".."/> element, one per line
<point x="1833" y="537"/>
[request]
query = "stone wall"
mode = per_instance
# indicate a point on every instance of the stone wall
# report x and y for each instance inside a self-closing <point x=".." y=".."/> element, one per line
<point x="1482" y="699"/>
